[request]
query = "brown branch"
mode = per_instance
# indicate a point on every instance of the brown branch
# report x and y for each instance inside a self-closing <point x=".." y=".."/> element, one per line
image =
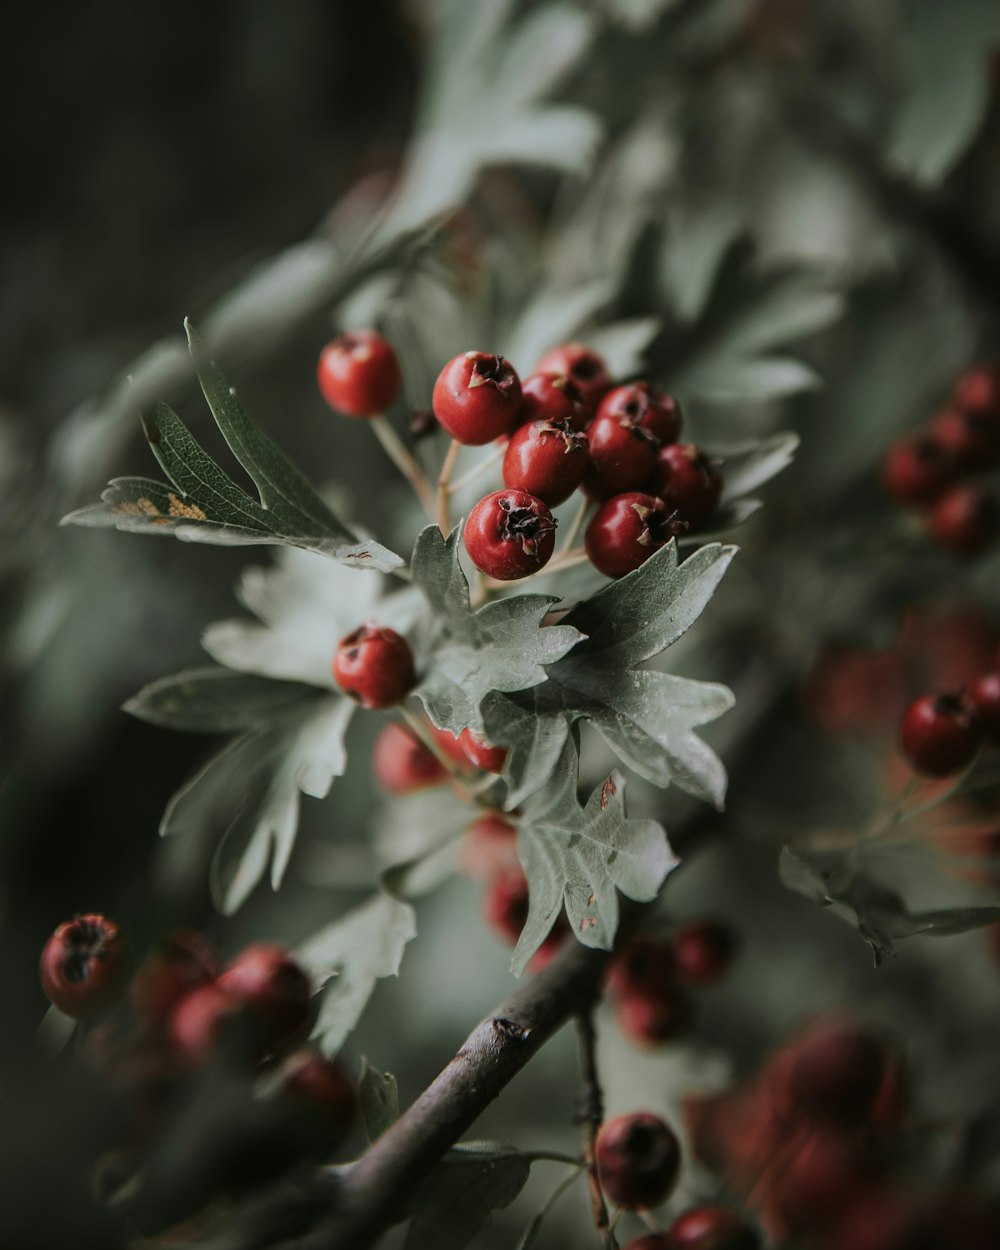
<point x="591" y="1112"/>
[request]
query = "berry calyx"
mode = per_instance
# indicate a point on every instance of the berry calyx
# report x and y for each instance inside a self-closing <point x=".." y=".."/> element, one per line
<point x="548" y="459"/>
<point x="177" y="965"/>
<point x="836" y="1075"/>
<point x="687" y="481"/>
<point x="966" y="519"/>
<point x="359" y="374"/>
<point x="939" y="734"/>
<point x="489" y="758"/>
<point x="374" y="666"/>
<point x="984" y="698"/>
<point x="584" y="367"/>
<point x="625" y="531"/>
<point x="652" y="409"/>
<point x="84" y="966"/>
<point x="638" y="1158"/>
<point x="916" y="469"/>
<point x="477" y="398"/>
<point x="402" y="764"/>
<point x="265" y="978"/>
<point x="711" y="1228"/>
<point x="554" y="397"/>
<point x="622" y="454"/>
<point x="510" y="534"/>
<point x="703" y="951"/>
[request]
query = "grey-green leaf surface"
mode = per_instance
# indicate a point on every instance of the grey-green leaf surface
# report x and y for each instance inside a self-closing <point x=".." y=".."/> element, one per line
<point x="457" y="1200"/>
<point x="215" y="700"/>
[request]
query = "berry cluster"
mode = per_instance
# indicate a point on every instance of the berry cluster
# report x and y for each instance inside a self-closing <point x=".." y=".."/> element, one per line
<point x="940" y="734"/>
<point x="939" y="470"/>
<point x="649" y="978"/>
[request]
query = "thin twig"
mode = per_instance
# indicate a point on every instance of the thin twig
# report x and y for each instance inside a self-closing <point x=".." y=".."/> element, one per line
<point x="444" y="486"/>
<point x="404" y="460"/>
<point x="478" y="469"/>
<point x="574" y="528"/>
<point x="591" y="1112"/>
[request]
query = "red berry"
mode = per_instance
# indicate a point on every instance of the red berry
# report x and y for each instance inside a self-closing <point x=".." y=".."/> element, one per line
<point x="510" y="534"/>
<point x="652" y="409"/>
<point x="622" y="454"/>
<point x="359" y="373"/>
<point x="823" y="1175"/>
<point x="402" y="764"/>
<point x="322" y="1086"/>
<point x="489" y="848"/>
<point x="554" y="397"/>
<point x="643" y="966"/>
<point x="547" y="459"/>
<point x="505" y="909"/>
<point x="966" y="519"/>
<point x="917" y="468"/>
<point x="939" y="734"/>
<point x="984" y="697"/>
<point x="477" y="397"/>
<point x="687" y="482"/>
<point x="625" y="531"/>
<point x="711" y="1228"/>
<point x="489" y="758"/>
<point x="178" y="964"/>
<point x="970" y="439"/>
<point x="651" y="1018"/>
<point x="374" y="665"/>
<point x="978" y="390"/>
<point x="267" y="979"/>
<point x="450" y="744"/>
<point x="584" y="368"/>
<point x="638" y="1158"/>
<point x="84" y="966"/>
<point x="836" y="1075"/>
<point x="208" y="1020"/>
<point x="703" y="951"/>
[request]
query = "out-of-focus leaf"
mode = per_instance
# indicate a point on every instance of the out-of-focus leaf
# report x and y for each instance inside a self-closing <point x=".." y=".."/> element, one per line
<point x="379" y="1099"/>
<point x="730" y="379"/>
<point x="750" y="465"/>
<point x="214" y="700"/>
<point x="457" y="1200"/>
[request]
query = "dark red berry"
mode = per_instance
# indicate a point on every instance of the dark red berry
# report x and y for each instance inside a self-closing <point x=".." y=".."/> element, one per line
<point x="916" y="469"/>
<point x="207" y="1020"/>
<point x="489" y="848"/>
<point x="978" y="390"/>
<point x="489" y="758"/>
<point x="584" y="368"/>
<point x="970" y="439"/>
<point x="505" y="909"/>
<point x="638" y="1158"/>
<point x="267" y="979"/>
<point x="966" y="519"/>
<point x="359" y="374"/>
<point x="836" y="1075"/>
<point x="687" y="481"/>
<point x="939" y="734"/>
<point x="177" y="965"/>
<point x="85" y="966"/>
<point x="644" y="965"/>
<point x="651" y="1018"/>
<point x="510" y="534"/>
<point x="321" y="1085"/>
<point x="984" y="698"/>
<point x="554" y="397"/>
<point x="625" y="531"/>
<point x="622" y="454"/>
<point x="652" y="409"/>
<point x="547" y="459"/>
<point x="711" y="1228"/>
<point x="703" y="951"/>
<point x="402" y="764"/>
<point x="477" y="397"/>
<point x="374" y="666"/>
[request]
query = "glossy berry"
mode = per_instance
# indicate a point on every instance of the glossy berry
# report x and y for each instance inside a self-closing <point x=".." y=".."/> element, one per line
<point x="320" y="1085"/>
<point x="85" y="966"/>
<point x="402" y="764"/>
<point x="966" y="519"/>
<point x="687" y="482"/>
<point x="359" y="374"/>
<point x="978" y="390"/>
<point x="651" y="1018"/>
<point x="547" y="459"/>
<point x="510" y="534"/>
<point x="984" y="698"/>
<point x="489" y="849"/>
<point x="269" y="981"/>
<point x="835" y="1076"/>
<point x="554" y="397"/>
<point x="584" y="368"/>
<point x="374" y="666"/>
<point x="703" y="951"/>
<point x="477" y="398"/>
<point x="970" y="439"/>
<point x="652" y="409"/>
<point x="638" y="1158"/>
<point x="622" y="454"/>
<point x="625" y="531"/>
<point x="711" y="1228"/>
<point x="917" y="469"/>
<point x="939" y="734"/>
<point x="489" y="758"/>
<point x="177" y="965"/>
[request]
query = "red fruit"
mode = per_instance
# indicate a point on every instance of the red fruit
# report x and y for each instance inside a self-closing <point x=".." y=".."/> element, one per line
<point x="939" y="734"/>
<point x="584" y="368"/>
<point x="687" y="482"/>
<point x="554" y="397"/>
<point x="322" y="1086"/>
<point x="450" y="745"/>
<point x="970" y="439"/>
<point x="177" y="965"/>
<point x="374" y="666"/>
<point x="836" y="1075"/>
<point x="652" y="409"/>
<point x="711" y="1228"/>
<point x="622" y="454"/>
<point x="917" y="468"/>
<point x="402" y="764"/>
<point x="822" y="1177"/>
<point x="84" y="966"/>
<point x="984" y="697"/>
<point x="489" y="758"/>
<point x="625" y="531"/>
<point x="703" y="951"/>
<point x="978" y="390"/>
<point x="489" y="849"/>
<point x="505" y="909"/>
<point x="548" y="459"/>
<point x="648" y="1019"/>
<point x="267" y="979"/>
<point x="966" y="519"/>
<point x="359" y="374"/>
<point x="638" y="1158"/>
<point x="477" y="397"/>
<point x="510" y="534"/>
<point x="208" y="1019"/>
<point x="643" y="966"/>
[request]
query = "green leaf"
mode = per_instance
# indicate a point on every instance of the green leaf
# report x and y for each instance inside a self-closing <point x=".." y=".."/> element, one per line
<point x="457" y="1200"/>
<point x="215" y="700"/>
<point x="749" y="465"/>
<point x="730" y="379"/>
<point x="349" y="956"/>
<point x="379" y="1099"/>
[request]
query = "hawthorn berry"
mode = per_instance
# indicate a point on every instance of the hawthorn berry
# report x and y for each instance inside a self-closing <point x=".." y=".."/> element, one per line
<point x="548" y="459"/>
<point x="510" y="534"/>
<point x="651" y="1018"/>
<point x="489" y="758"/>
<point x="966" y="519"/>
<point x="622" y="454"/>
<point x="489" y="848"/>
<point x="687" y="481"/>
<point x="822" y="1176"/>
<point x="939" y="734"/>
<point x="644" y="965"/>
<point x="970" y="439"/>
<point x="374" y="666"/>
<point x="584" y="368"/>
<point x="359" y="373"/>
<point x="978" y="390"/>
<point x="178" y="964"/>
<point x="711" y="1228"/>
<point x="638" y="1158"/>
<point x="477" y="398"/>
<point x="84" y="966"/>
<point x="703" y="951"/>
<point x="402" y="764"/>
<point x="652" y="409"/>
<point x="208" y="1020"/>
<point x="505" y="909"/>
<point x="917" y="468"/>
<point x="268" y="980"/>
<point x="554" y="397"/>
<point x="835" y="1076"/>
<point x="625" y="531"/>
<point x="984" y="698"/>
<point x="320" y="1085"/>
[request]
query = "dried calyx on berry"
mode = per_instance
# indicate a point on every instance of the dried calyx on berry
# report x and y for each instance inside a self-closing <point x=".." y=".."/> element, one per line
<point x="582" y="365"/>
<point x="374" y="666"/>
<point x="548" y="459"/>
<point x="940" y="734"/>
<point x="477" y="398"/>
<point x="643" y="405"/>
<point x="84" y="966"/>
<point x="626" y="530"/>
<point x="510" y="534"/>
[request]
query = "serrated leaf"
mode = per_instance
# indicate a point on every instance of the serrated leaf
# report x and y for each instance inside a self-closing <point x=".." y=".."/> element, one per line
<point x="535" y="737"/>
<point x="747" y="466"/>
<point x="349" y="956"/>
<point x="725" y="379"/>
<point x="379" y="1099"/>
<point x="215" y="700"/>
<point x="457" y="1200"/>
